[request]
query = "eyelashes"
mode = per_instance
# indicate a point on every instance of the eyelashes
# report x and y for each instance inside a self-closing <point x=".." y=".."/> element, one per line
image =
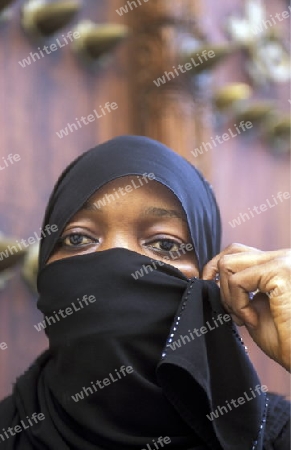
<point x="167" y="243"/>
<point x="75" y="241"/>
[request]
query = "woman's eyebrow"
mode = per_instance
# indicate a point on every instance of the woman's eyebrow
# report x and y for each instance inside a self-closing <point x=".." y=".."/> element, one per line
<point x="150" y="211"/>
<point x="90" y="206"/>
<point x="162" y="212"/>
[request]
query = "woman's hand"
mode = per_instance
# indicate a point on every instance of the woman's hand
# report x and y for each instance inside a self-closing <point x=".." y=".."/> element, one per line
<point x="267" y="316"/>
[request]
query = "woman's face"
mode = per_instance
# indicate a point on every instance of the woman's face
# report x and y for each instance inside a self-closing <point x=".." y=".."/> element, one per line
<point x="148" y="220"/>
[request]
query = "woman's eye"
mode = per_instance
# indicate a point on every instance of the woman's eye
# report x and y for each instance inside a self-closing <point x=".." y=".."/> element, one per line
<point x="166" y="245"/>
<point x="76" y="240"/>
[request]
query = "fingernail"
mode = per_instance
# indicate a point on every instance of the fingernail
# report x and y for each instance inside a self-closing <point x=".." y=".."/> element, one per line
<point x="217" y="277"/>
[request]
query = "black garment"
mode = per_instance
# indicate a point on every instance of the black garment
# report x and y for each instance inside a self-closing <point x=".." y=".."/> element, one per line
<point x="129" y="329"/>
<point x="134" y="323"/>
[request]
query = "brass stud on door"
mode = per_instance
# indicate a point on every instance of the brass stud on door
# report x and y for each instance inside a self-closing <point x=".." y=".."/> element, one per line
<point x="42" y="19"/>
<point x="98" y="40"/>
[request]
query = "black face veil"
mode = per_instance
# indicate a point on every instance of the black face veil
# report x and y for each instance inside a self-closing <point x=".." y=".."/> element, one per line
<point x="143" y="360"/>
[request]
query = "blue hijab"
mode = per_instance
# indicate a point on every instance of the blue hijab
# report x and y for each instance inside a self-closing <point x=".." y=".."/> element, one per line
<point x="135" y="155"/>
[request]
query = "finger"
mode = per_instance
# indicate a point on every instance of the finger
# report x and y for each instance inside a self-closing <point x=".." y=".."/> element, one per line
<point x="264" y="277"/>
<point x="239" y="301"/>
<point x="237" y="321"/>
<point x="225" y="275"/>
<point x="211" y="268"/>
<point x="241" y="261"/>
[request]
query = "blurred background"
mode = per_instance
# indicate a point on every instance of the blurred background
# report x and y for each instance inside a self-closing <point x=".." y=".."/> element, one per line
<point x="180" y="71"/>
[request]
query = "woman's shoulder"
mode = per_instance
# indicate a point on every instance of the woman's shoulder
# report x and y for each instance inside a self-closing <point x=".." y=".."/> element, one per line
<point x="277" y="434"/>
<point x="8" y="412"/>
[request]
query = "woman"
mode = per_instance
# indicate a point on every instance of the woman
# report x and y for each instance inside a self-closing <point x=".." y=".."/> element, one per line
<point x="142" y="354"/>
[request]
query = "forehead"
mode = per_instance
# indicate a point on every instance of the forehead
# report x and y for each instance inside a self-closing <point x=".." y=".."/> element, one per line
<point x="135" y="197"/>
<point x="135" y="188"/>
